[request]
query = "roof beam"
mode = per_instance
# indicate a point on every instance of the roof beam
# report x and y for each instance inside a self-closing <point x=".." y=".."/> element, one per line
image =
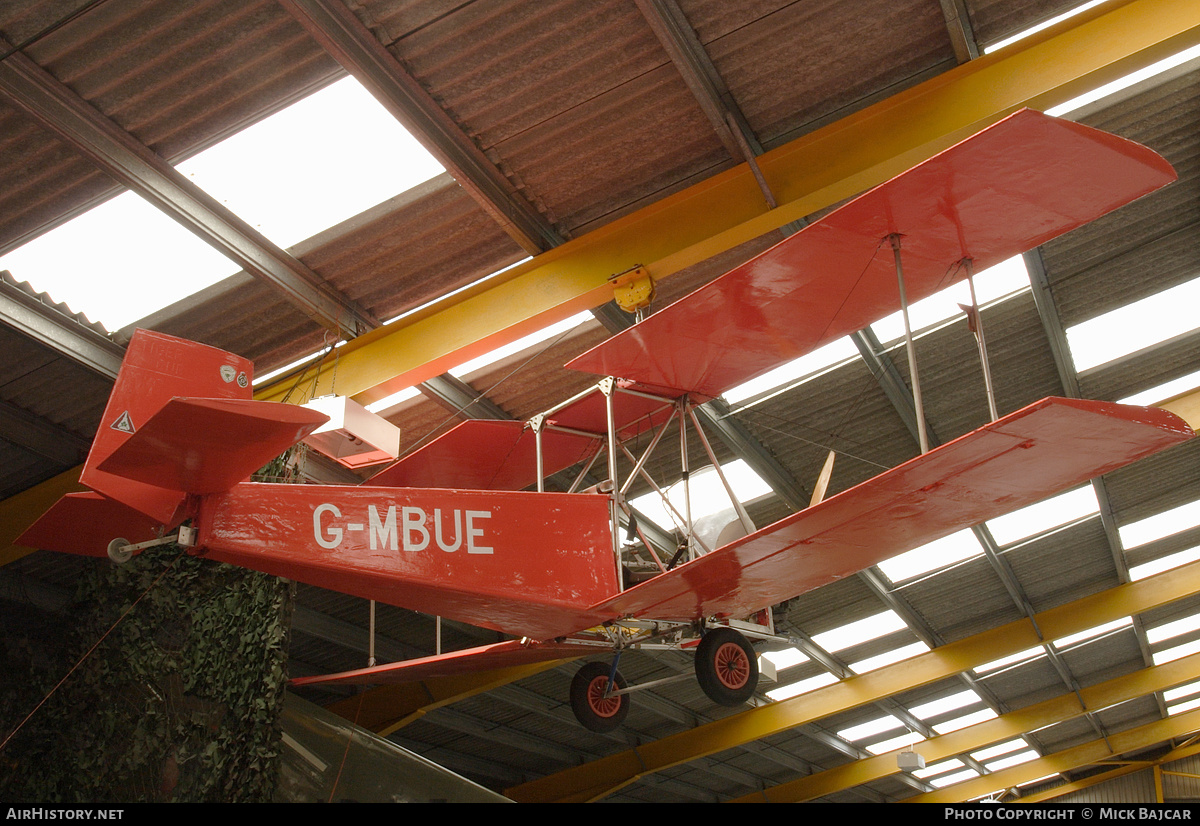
<point x="972" y="738"/>
<point x="339" y="31"/>
<point x="806" y="175"/>
<point x="958" y="26"/>
<point x="111" y="148"/>
<point x="687" y="53"/>
<point x="66" y="336"/>
<point x="605" y="776"/>
<point x="1096" y="751"/>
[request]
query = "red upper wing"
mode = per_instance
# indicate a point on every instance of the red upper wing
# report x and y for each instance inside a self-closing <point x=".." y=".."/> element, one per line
<point x="999" y="193"/>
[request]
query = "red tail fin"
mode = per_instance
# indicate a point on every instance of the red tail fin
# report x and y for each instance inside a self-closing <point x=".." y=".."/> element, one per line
<point x="157" y="368"/>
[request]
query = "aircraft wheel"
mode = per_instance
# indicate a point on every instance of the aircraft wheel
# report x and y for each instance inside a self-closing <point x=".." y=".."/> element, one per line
<point x="726" y="667"/>
<point x="118" y="551"/>
<point x="594" y="711"/>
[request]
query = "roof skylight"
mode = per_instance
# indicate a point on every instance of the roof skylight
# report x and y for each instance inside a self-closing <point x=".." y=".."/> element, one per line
<point x="1045" y="24"/>
<point x="861" y="631"/>
<point x="1177" y="519"/>
<point x="1166" y="563"/>
<point x="305" y="168"/>
<point x="1045" y="515"/>
<point x="1164" y="391"/>
<point x="314" y="164"/>
<point x="1101" y="92"/>
<point x="888" y="657"/>
<point x="1004" y="279"/>
<point x="1135" y="326"/>
<point x="707" y="494"/>
<point x="786" y="376"/>
<point x="799" y="687"/>
<point x="929" y="557"/>
<point x="1176" y="628"/>
<point x="867" y="730"/>
<point x="523" y="343"/>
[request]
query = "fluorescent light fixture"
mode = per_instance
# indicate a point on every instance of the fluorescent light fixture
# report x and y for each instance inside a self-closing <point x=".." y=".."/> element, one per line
<point x="1152" y="528"/>
<point x="1045" y="24"/>
<point x="904" y="652"/>
<point x="1166" y="563"/>
<point x="940" y="553"/>
<point x="799" y="687"/>
<point x="861" y="631"/>
<point x="1135" y="326"/>
<point x="1042" y="516"/>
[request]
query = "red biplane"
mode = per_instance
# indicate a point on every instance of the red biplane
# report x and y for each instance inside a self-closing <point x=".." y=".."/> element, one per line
<point x="453" y="529"/>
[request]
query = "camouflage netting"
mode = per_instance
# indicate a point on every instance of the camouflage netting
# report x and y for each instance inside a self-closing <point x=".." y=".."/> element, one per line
<point x="181" y="702"/>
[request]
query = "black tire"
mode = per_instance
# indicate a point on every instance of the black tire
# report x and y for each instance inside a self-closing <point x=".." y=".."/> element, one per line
<point x="726" y="667"/>
<point x="593" y="710"/>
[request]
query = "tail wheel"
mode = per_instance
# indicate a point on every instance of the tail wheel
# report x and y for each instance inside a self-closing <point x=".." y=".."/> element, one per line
<point x="726" y="667"/>
<point x="593" y="709"/>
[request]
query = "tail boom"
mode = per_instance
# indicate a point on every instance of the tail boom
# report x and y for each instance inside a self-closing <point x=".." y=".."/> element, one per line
<point x="522" y="563"/>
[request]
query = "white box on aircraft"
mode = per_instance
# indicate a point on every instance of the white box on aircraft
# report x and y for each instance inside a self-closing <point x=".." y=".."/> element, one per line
<point x="354" y="436"/>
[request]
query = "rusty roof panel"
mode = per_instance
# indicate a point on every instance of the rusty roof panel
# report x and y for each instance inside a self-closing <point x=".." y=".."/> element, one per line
<point x="788" y="65"/>
<point x="177" y="77"/>
<point x="411" y="249"/>
<point x="994" y="20"/>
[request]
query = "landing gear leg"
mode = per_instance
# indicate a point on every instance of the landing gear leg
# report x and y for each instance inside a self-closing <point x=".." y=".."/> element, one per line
<point x="726" y="667"/>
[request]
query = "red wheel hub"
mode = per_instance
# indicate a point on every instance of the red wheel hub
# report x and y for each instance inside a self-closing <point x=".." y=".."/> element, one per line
<point x="601" y="705"/>
<point x="732" y="665"/>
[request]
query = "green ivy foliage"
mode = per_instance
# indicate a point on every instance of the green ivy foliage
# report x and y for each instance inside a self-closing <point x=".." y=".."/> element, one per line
<point x="181" y="702"/>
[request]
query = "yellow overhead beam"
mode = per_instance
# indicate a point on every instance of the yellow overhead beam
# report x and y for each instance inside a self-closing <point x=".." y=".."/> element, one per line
<point x="388" y="708"/>
<point x="1097" y="751"/>
<point x="981" y="735"/>
<point x="806" y="175"/>
<point x="600" y="778"/>
<point x="21" y="510"/>
<point x="1119" y="770"/>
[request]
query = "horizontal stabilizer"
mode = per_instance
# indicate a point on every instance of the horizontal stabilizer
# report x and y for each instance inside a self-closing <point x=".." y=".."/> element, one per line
<point x="209" y="445"/>
<point x="468" y="661"/>
<point x="1001" y="192"/>
<point x="84" y="523"/>
<point x="1008" y="464"/>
